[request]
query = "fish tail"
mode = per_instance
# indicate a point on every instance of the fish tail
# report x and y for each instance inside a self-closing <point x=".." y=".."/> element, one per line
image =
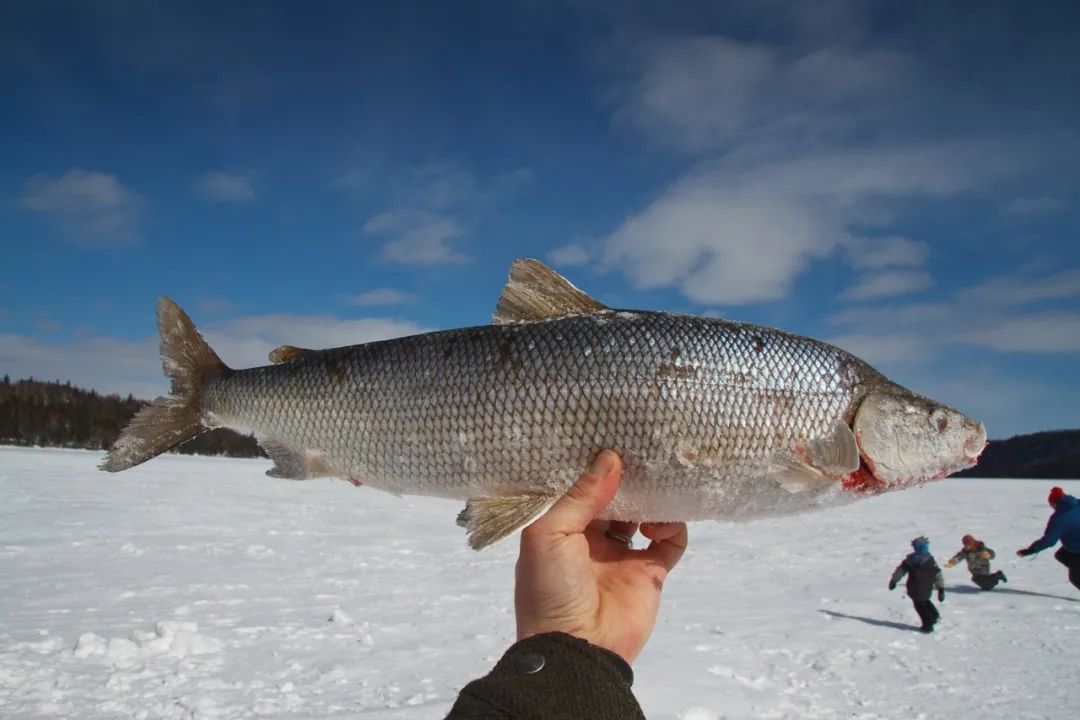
<point x="188" y="362"/>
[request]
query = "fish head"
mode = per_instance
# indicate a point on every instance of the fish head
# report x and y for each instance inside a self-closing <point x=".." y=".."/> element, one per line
<point x="907" y="439"/>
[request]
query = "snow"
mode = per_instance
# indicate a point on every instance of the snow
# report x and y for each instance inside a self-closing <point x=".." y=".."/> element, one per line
<point x="199" y="588"/>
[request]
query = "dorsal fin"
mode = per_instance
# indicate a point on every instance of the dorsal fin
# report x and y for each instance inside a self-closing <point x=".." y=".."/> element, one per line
<point x="536" y="292"/>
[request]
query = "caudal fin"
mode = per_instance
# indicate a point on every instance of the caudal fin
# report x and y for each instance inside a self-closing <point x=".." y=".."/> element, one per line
<point x="188" y="361"/>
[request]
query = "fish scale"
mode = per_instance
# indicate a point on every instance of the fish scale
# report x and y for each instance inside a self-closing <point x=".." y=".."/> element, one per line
<point x="712" y="418"/>
<point x="689" y="403"/>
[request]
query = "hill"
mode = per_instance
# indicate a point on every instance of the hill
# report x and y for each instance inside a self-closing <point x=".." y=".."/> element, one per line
<point x="1052" y="455"/>
<point x="54" y="414"/>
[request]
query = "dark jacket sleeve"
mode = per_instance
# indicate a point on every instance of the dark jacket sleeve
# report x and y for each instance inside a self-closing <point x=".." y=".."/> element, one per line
<point x="939" y="579"/>
<point x="1050" y="536"/>
<point x="899" y="573"/>
<point x="551" y="676"/>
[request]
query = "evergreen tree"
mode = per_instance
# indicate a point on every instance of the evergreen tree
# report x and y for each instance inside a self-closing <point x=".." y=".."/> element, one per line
<point x="43" y="413"/>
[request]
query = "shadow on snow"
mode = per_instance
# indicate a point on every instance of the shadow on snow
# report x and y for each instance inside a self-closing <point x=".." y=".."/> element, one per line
<point x="972" y="590"/>
<point x="871" y="621"/>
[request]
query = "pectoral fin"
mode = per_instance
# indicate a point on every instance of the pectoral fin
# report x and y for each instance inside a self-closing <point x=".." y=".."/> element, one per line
<point x="795" y="476"/>
<point x="822" y="461"/>
<point x="837" y="454"/>
<point x="490" y="519"/>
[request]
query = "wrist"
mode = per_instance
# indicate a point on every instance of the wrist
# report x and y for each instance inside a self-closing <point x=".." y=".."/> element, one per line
<point x="610" y="660"/>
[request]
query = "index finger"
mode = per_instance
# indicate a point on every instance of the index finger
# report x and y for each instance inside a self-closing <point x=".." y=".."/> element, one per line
<point x="573" y="512"/>
<point x="669" y="541"/>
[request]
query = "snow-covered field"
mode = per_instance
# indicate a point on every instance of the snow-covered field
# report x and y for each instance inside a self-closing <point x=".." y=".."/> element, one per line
<point x="199" y="588"/>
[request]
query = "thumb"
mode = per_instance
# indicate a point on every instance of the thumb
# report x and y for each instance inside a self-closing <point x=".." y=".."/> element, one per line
<point x="585" y="499"/>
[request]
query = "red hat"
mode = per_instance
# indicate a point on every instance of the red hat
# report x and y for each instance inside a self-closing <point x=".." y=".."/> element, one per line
<point x="969" y="540"/>
<point x="1055" y="495"/>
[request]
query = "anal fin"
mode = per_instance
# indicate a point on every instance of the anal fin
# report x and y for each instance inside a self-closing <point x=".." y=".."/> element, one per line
<point x="292" y="464"/>
<point x="490" y="519"/>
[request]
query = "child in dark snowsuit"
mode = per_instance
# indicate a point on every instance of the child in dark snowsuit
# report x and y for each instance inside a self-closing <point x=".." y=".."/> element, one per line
<point x="978" y="558"/>
<point x="923" y="576"/>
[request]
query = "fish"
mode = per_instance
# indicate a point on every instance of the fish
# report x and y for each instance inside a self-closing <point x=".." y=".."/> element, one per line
<point x="713" y="418"/>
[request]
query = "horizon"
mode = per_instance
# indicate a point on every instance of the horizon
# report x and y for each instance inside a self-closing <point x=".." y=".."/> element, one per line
<point x="900" y="182"/>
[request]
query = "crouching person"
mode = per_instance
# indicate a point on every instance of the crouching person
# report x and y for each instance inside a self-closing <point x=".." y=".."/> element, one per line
<point x="978" y="558"/>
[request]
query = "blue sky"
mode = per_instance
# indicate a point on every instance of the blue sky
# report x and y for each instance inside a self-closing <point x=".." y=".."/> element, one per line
<point x="902" y="182"/>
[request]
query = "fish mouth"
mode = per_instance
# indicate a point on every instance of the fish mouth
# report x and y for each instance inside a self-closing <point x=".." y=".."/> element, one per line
<point x="975" y="445"/>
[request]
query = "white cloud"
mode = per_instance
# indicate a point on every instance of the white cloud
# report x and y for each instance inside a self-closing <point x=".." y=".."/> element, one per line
<point x="798" y="150"/>
<point x="1031" y="333"/>
<point x="891" y="251"/>
<point x="970" y="319"/>
<point x="741" y="230"/>
<point x="246" y="341"/>
<point x="1008" y="404"/>
<point x="704" y="92"/>
<point x="93" y="209"/>
<point x="380" y="296"/>
<point x="1023" y="290"/>
<point x="429" y="206"/>
<point x="220" y="186"/>
<point x="912" y="315"/>
<point x="888" y="284"/>
<point x="569" y="255"/>
<point x="437" y="186"/>
<point x="885" y="350"/>
<point x="421" y="238"/>
<point x="422" y="219"/>
<point x="107" y="365"/>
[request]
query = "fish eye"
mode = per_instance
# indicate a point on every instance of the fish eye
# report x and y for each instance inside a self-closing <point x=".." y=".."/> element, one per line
<point x="939" y="419"/>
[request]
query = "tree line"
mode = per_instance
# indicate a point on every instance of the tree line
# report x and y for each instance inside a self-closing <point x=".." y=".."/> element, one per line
<point x="54" y="414"/>
<point x="1051" y="455"/>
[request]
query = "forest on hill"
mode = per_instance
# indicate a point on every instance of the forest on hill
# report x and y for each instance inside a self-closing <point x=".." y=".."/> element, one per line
<point x="54" y="414"/>
<point x="1054" y="455"/>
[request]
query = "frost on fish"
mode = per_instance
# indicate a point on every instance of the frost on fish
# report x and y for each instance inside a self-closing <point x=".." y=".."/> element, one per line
<point x="712" y="418"/>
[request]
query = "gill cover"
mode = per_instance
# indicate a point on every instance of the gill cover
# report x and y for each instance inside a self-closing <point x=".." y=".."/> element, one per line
<point x="908" y="439"/>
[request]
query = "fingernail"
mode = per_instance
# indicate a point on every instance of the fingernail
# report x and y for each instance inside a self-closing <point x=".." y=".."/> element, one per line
<point x="602" y="464"/>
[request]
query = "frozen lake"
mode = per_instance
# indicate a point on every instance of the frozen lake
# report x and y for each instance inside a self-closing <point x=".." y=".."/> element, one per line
<point x="199" y="588"/>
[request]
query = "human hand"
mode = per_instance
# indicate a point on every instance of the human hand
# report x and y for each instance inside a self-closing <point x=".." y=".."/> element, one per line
<point x="892" y="585"/>
<point x="1023" y="552"/>
<point x="572" y="578"/>
<point x="951" y="563"/>
<point x="941" y="594"/>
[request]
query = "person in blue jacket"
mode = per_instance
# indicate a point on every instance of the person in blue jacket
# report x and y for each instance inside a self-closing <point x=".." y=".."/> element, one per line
<point x="1064" y="525"/>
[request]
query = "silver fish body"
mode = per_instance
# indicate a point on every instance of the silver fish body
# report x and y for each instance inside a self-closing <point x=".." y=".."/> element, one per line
<point x="712" y="418"/>
<point x="694" y="406"/>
